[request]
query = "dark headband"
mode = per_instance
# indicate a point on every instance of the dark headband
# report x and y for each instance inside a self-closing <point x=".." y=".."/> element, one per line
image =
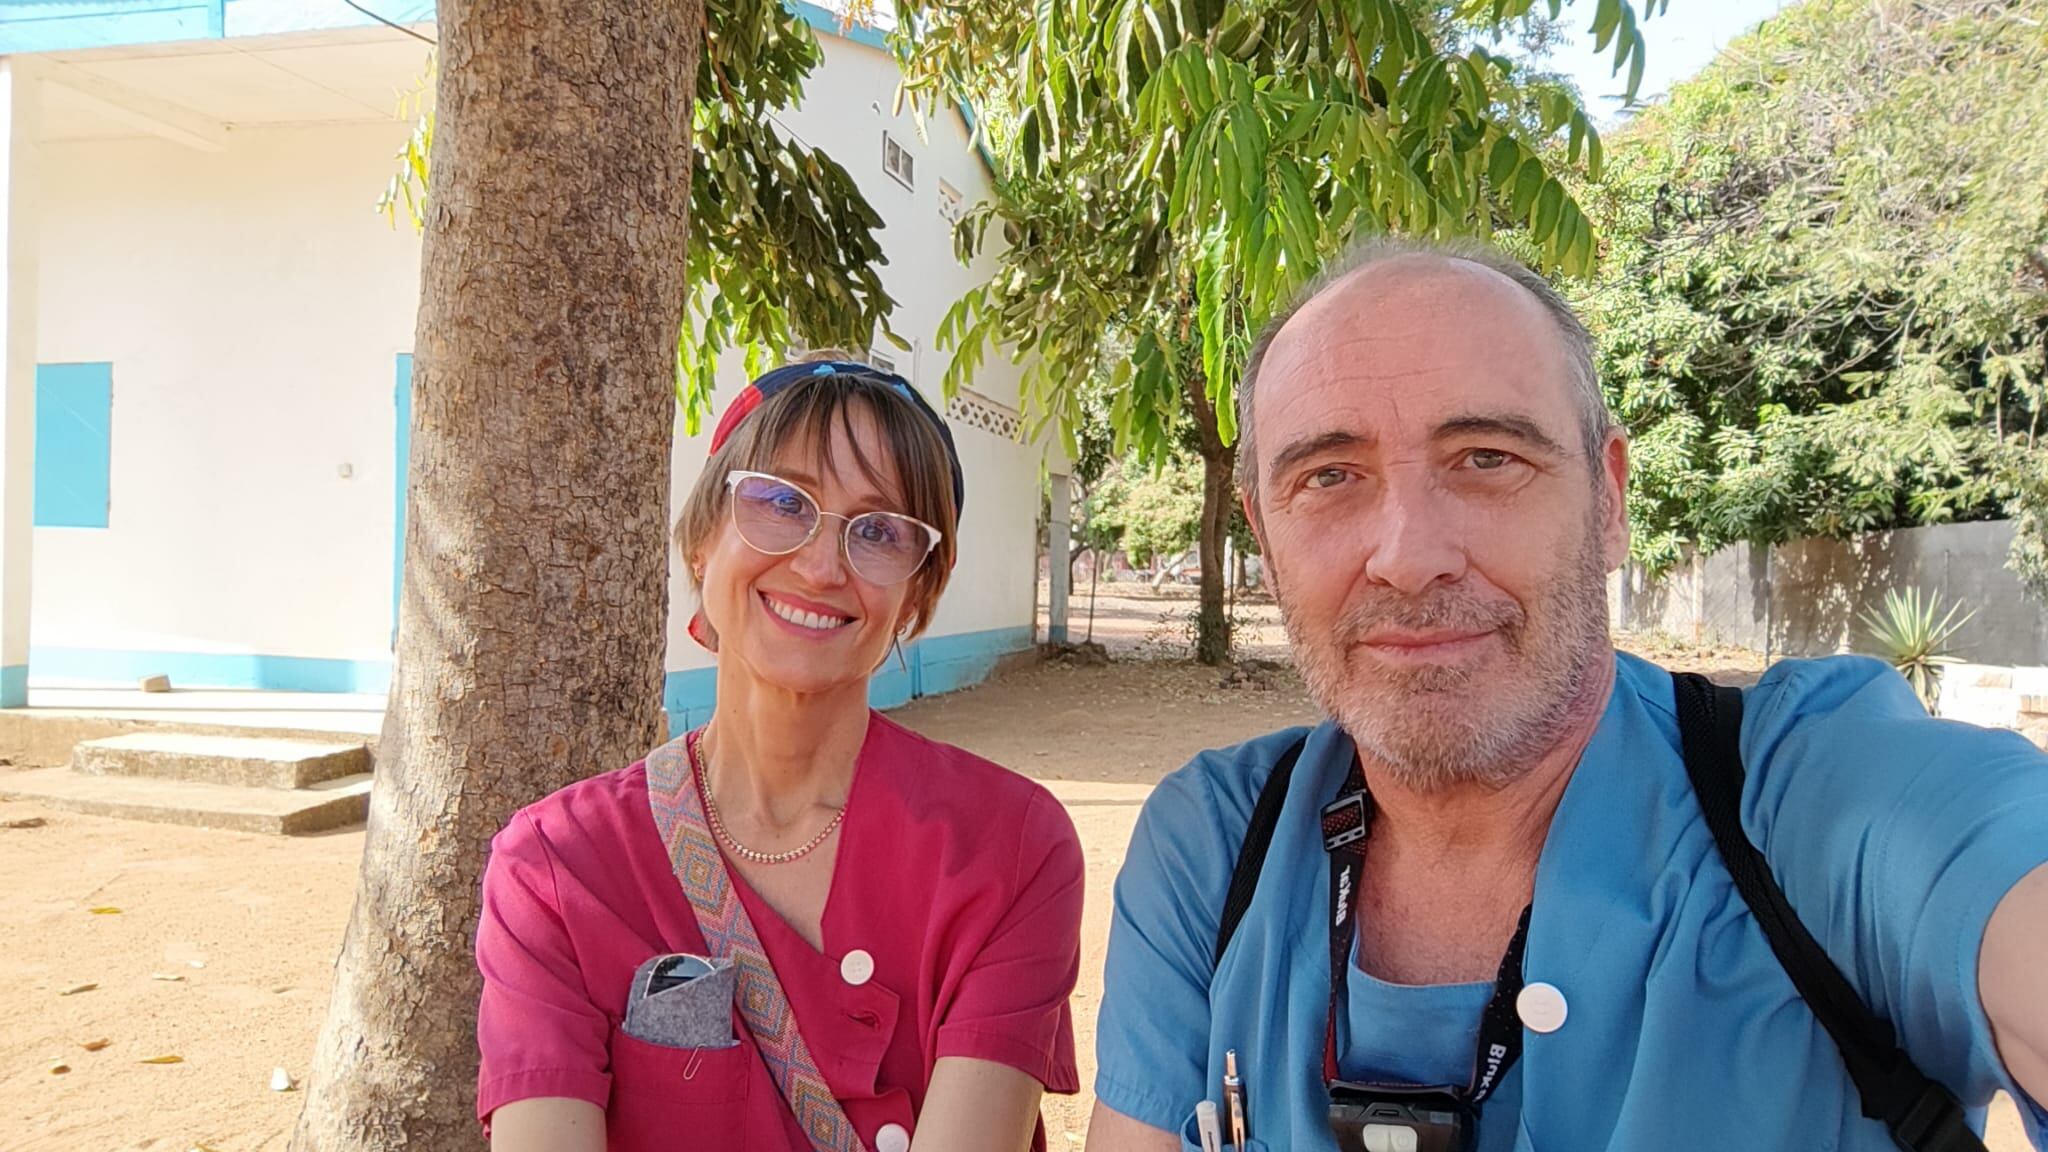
<point x="769" y="383"/>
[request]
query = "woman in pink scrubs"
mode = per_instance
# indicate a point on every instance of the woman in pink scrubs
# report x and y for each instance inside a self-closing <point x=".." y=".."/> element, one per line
<point x="920" y="906"/>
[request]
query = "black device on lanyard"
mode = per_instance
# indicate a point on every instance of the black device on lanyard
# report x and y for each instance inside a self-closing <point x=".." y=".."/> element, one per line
<point x="1398" y="1117"/>
<point x="1921" y="1113"/>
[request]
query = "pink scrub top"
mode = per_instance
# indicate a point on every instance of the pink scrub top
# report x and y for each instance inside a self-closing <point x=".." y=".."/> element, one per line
<point x="952" y="929"/>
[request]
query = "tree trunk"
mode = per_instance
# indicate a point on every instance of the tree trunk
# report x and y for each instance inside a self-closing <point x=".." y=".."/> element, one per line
<point x="1212" y="623"/>
<point x="532" y="625"/>
<point x="1094" y="579"/>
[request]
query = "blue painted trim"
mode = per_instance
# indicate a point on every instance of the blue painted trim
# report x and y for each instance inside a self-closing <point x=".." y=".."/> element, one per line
<point x="213" y="669"/>
<point x="687" y="697"/>
<point x="949" y="663"/>
<point x="54" y="27"/>
<point x="14" y="686"/>
<point x="58" y="25"/>
<point x="270" y="17"/>
<point x="401" y="484"/>
<point x="931" y="666"/>
<point x="74" y="445"/>
<point x="893" y="685"/>
<point x="833" y="23"/>
<point x="63" y="25"/>
<point x="935" y="664"/>
<point x="968" y="117"/>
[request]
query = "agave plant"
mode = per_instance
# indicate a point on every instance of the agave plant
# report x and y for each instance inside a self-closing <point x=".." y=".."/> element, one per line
<point x="1915" y="635"/>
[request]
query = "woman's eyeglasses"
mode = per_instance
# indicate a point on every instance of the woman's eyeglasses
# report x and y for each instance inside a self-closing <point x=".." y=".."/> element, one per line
<point x="776" y="517"/>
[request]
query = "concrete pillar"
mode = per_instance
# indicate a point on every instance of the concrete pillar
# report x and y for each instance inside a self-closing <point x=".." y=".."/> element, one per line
<point x="18" y="360"/>
<point x="1059" y="535"/>
<point x="2033" y="720"/>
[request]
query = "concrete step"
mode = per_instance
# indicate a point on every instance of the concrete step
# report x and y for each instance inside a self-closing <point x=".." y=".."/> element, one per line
<point x="245" y="761"/>
<point x="275" y="811"/>
<point x="43" y="737"/>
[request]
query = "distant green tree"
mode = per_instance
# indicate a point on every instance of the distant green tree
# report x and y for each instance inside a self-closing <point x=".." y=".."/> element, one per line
<point x="1823" y="307"/>
<point x="1151" y="513"/>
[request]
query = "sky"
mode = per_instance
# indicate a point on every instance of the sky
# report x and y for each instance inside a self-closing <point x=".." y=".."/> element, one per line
<point x="1680" y="41"/>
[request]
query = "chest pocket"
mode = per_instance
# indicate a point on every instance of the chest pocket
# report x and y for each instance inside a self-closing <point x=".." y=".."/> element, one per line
<point x="658" y="1092"/>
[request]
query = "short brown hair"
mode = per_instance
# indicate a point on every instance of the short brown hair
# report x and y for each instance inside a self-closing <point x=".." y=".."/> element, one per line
<point x="917" y="469"/>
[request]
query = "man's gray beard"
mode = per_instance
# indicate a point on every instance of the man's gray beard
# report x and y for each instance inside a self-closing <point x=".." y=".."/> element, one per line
<point x="1426" y="725"/>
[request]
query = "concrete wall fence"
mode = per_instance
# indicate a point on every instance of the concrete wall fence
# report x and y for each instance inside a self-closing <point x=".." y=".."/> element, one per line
<point x="1808" y="597"/>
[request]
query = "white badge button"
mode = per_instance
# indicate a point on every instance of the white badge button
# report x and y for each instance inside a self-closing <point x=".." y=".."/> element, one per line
<point x="1541" y="1007"/>
<point x="857" y="968"/>
<point x="891" y="1137"/>
<point x="1389" y="1138"/>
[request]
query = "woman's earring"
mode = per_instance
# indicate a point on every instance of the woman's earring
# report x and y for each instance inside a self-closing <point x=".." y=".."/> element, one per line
<point x="897" y="644"/>
<point x="701" y="631"/>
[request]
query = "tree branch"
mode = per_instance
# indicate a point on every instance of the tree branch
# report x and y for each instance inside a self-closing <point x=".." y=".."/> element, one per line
<point x="1357" y="62"/>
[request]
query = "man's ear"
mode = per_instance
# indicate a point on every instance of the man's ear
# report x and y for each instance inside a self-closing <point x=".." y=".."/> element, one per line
<point x="1258" y="527"/>
<point x="1614" y="529"/>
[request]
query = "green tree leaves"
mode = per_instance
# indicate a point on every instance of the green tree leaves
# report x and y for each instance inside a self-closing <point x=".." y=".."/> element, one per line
<point x="1179" y="169"/>
<point x="781" y="243"/>
<point x="1825" y="307"/>
<point x="1178" y="161"/>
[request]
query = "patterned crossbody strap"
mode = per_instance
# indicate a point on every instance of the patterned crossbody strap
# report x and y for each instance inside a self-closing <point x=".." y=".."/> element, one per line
<point x="728" y="931"/>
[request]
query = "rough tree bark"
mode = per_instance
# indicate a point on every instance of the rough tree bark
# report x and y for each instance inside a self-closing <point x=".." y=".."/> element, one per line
<point x="1219" y="460"/>
<point x="532" y="625"/>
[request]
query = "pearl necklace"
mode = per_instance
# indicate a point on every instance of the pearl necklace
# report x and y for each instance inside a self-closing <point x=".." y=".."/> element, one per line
<point x="752" y="856"/>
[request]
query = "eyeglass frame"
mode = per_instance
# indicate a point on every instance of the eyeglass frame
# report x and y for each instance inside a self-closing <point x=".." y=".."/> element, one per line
<point x="932" y="535"/>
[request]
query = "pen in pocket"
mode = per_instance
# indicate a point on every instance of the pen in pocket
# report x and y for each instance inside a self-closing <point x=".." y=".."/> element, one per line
<point x="1233" y="1095"/>
<point x="1207" y="1128"/>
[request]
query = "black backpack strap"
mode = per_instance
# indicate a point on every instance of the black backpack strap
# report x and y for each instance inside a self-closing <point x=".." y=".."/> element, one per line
<point x="1922" y="1115"/>
<point x="1251" y="854"/>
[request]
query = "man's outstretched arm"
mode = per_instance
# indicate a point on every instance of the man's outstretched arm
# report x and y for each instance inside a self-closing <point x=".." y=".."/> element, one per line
<point x="1152" y="1033"/>
<point x="2012" y="981"/>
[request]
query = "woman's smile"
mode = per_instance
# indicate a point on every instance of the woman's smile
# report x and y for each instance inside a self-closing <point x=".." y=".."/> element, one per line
<point x="802" y="615"/>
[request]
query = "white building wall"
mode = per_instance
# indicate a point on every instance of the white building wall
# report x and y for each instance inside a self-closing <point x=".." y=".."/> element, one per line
<point x="253" y="306"/>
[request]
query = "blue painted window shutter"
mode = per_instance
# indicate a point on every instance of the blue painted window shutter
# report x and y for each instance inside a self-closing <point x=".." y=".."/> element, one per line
<point x="401" y="399"/>
<point x="74" y="444"/>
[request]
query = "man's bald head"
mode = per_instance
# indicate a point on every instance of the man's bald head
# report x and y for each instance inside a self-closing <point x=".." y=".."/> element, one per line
<point x="1387" y="260"/>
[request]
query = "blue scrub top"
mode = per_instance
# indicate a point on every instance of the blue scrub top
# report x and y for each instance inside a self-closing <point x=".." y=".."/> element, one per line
<point x="1893" y="835"/>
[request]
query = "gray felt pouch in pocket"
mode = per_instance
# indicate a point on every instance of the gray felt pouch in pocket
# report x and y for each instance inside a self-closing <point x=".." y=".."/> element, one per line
<point x="682" y="1001"/>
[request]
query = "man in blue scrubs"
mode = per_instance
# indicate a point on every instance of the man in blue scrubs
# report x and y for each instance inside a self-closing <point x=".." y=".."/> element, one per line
<point x="1439" y="492"/>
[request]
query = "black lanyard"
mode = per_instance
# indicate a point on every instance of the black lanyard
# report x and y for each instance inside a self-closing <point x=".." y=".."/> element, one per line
<point x="1346" y="822"/>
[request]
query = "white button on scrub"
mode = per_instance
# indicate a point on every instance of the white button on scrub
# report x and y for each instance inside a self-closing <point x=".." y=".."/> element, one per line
<point x="857" y="968"/>
<point x="1541" y="1007"/>
<point x="891" y="1137"/>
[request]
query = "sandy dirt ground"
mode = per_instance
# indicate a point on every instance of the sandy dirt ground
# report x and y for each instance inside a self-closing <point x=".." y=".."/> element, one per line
<point x="247" y="926"/>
